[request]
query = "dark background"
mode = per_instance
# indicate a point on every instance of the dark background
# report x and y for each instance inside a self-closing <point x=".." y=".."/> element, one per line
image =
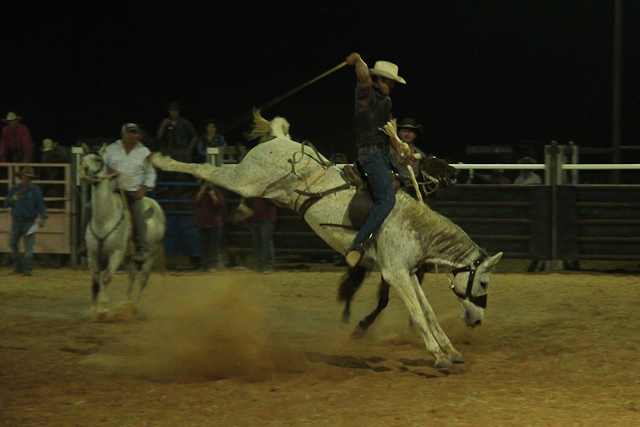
<point x="479" y="72"/>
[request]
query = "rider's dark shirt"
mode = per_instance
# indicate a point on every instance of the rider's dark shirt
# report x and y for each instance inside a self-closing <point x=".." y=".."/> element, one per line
<point x="373" y="111"/>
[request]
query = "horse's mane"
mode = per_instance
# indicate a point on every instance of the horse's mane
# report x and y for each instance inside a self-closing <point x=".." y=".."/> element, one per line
<point x="445" y="239"/>
<point x="265" y="129"/>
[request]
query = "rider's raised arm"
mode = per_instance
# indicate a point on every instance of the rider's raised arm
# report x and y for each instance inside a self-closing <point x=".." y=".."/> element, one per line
<point x="362" y="71"/>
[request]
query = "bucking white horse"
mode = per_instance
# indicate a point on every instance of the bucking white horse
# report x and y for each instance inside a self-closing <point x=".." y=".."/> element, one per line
<point x="108" y="235"/>
<point x="288" y="172"/>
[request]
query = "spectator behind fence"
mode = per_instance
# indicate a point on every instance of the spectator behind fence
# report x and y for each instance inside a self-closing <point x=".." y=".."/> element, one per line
<point x="262" y="224"/>
<point x="208" y="218"/>
<point x="526" y="176"/>
<point x="210" y="138"/>
<point x="147" y="140"/>
<point x="26" y="203"/>
<point x="16" y="145"/>
<point x="408" y="131"/>
<point x="54" y="153"/>
<point x="176" y="134"/>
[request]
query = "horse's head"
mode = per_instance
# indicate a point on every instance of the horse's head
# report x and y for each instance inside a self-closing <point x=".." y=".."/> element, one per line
<point x="435" y="173"/>
<point x="471" y="286"/>
<point x="92" y="164"/>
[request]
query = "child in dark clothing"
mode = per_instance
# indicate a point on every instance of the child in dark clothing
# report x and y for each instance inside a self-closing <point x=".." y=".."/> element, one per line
<point x="209" y="208"/>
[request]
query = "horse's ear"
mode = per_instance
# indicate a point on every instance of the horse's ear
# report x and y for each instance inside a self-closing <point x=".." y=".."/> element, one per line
<point x="102" y="149"/>
<point x="85" y="149"/>
<point x="491" y="262"/>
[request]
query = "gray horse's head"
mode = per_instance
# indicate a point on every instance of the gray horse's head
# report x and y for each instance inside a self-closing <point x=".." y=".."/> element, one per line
<point x="471" y="286"/>
<point x="92" y="163"/>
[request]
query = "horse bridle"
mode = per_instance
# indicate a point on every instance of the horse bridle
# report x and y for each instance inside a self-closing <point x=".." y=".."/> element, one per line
<point x="479" y="301"/>
<point x="94" y="180"/>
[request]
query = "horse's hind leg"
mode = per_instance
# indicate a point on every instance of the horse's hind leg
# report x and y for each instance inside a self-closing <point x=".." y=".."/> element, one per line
<point x="434" y="326"/>
<point x="144" y="274"/>
<point x="349" y="284"/>
<point x="403" y="283"/>
<point x="131" y="273"/>
<point x="383" y="300"/>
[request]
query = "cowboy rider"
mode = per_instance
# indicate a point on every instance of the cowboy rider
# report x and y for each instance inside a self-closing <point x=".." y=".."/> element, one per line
<point x="373" y="111"/>
<point x="129" y="158"/>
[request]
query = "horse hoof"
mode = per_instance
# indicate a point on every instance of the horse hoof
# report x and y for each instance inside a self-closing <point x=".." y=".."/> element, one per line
<point x="358" y="333"/>
<point x="101" y="315"/>
<point x="457" y="358"/>
<point x="443" y="363"/>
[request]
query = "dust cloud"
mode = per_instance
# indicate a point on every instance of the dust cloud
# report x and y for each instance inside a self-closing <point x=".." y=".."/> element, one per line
<point x="194" y="333"/>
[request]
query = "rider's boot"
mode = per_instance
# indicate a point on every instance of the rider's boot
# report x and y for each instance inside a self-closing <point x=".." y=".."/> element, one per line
<point x="354" y="255"/>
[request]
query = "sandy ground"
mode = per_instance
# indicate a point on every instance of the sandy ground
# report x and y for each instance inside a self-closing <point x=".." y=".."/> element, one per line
<point x="238" y="348"/>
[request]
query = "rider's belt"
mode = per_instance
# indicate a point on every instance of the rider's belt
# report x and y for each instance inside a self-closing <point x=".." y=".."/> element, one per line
<point x="374" y="145"/>
<point x="23" y="219"/>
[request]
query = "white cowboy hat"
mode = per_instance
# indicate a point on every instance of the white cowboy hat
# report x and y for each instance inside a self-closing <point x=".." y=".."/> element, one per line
<point x="48" y="145"/>
<point x="11" y="116"/>
<point x="388" y="70"/>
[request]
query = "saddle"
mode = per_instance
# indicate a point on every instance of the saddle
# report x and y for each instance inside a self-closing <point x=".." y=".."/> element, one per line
<point x="440" y="172"/>
<point x="362" y="201"/>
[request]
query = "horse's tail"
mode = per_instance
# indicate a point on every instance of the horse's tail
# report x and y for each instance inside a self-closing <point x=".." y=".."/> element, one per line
<point x="266" y="130"/>
<point x="350" y="282"/>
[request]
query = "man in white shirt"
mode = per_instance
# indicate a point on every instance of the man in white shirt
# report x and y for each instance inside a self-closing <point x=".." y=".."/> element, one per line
<point x="527" y="176"/>
<point x="129" y="158"/>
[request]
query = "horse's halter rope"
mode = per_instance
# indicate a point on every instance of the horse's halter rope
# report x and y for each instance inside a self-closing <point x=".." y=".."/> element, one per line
<point x="94" y="180"/>
<point x="479" y="301"/>
<point x="293" y="162"/>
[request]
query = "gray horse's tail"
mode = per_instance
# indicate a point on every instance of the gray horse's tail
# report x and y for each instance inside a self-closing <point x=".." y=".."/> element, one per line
<point x="266" y="130"/>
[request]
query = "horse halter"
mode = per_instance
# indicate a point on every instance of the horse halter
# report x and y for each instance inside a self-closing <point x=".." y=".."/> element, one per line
<point x="96" y="179"/>
<point x="478" y="301"/>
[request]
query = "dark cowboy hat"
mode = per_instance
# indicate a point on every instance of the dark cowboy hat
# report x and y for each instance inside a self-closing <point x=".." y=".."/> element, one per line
<point x="411" y="124"/>
<point x="174" y="106"/>
<point x="27" y="171"/>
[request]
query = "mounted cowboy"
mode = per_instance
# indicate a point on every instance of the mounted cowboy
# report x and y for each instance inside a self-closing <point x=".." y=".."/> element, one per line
<point x="373" y="111"/>
<point x="129" y="159"/>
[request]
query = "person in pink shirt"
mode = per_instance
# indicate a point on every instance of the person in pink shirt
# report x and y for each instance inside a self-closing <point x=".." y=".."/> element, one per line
<point x="16" y="145"/>
<point x="262" y="223"/>
<point x="209" y="210"/>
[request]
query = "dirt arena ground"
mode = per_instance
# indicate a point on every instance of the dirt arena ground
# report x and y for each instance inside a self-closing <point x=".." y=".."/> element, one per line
<point x="238" y="348"/>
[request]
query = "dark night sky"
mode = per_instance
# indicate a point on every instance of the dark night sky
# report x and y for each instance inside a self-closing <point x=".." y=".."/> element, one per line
<point x="478" y="71"/>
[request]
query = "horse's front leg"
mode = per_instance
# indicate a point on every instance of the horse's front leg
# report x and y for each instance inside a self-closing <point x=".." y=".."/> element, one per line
<point x="112" y="265"/>
<point x="434" y="326"/>
<point x="97" y="296"/>
<point x="403" y="283"/>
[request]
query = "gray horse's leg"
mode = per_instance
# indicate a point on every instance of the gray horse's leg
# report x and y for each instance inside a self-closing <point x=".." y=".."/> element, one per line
<point x="434" y="326"/>
<point x="114" y="262"/>
<point x="145" y="270"/>
<point x="97" y="296"/>
<point x="131" y="273"/>
<point x="402" y="282"/>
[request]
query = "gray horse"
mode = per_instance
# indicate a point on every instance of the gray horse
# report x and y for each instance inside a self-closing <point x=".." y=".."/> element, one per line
<point x="411" y="236"/>
<point x="108" y="235"/>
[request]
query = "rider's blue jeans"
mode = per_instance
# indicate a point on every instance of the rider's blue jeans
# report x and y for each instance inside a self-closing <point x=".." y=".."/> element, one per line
<point x="376" y="163"/>
<point x="19" y="229"/>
